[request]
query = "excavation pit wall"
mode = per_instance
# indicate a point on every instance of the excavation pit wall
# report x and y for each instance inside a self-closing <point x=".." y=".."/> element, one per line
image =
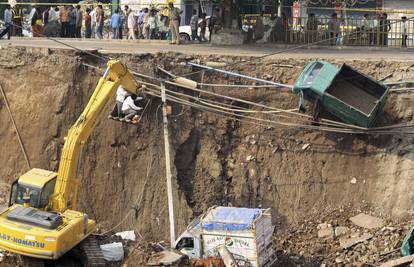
<point x="216" y="160"/>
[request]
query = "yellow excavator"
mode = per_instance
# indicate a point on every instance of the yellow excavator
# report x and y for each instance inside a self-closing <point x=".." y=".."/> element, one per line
<point x="42" y="220"/>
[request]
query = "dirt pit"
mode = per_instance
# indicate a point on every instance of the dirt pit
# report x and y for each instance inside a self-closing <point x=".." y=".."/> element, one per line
<point x="306" y="177"/>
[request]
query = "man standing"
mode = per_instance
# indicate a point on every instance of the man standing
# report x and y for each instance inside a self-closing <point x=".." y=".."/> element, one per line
<point x="115" y="21"/>
<point x="64" y="21"/>
<point x="88" y="23"/>
<point x="127" y="11"/>
<point x="17" y="21"/>
<point x="194" y="26"/>
<point x="385" y="26"/>
<point x="36" y="23"/>
<point x="334" y="29"/>
<point x="99" y="22"/>
<point x="404" y="31"/>
<point x="140" y="23"/>
<point x="93" y="21"/>
<point x="203" y="27"/>
<point x="45" y="16"/>
<point x="214" y="24"/>
<point x="132" y="25"/>
<point x="312" y="28"/>
<point x="174" y="17"/>
<point x="367" y="29"/>
<point x="72" y="22"/>
<point x="79" y="18"/>
<point x="8" y="22"/>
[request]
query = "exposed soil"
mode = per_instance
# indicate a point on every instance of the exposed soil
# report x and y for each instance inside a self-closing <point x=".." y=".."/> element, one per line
<point x="304" y="176"/>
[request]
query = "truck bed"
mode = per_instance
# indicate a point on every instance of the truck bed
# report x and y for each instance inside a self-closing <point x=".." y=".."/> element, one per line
<point x="354" y="96"/>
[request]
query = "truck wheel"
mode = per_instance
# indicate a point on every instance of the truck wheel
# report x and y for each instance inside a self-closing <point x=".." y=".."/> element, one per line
<point x="184" y="37"/>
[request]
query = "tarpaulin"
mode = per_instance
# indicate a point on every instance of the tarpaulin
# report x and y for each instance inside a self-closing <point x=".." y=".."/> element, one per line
<point x="230" y="219"/>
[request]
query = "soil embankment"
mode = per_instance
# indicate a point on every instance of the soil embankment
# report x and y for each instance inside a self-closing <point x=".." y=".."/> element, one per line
<point x="217" y="160"/>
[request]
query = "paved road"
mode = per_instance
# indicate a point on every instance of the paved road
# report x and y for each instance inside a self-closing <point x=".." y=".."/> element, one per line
<point x="145" y="46"/>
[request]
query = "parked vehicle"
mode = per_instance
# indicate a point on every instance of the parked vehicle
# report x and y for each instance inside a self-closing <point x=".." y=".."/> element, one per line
<point x="185" y="31"/>
<point x="246" y="233"/>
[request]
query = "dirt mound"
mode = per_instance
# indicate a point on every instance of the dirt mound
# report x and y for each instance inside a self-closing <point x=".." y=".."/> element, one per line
<point x="217" y="160"/>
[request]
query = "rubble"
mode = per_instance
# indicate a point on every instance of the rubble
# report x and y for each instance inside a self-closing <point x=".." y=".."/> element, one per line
<point x="367" y="221"/>
<point x="113" y="251"/>
<point x="350" y="244"/>
<point x="355" y="238"/>
<point x="166" y="258"/>
<point x="127" y="235"/>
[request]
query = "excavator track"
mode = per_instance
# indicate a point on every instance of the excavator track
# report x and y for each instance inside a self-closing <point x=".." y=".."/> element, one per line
<point x="91" y="253"/>
<point x="31" y="262"/>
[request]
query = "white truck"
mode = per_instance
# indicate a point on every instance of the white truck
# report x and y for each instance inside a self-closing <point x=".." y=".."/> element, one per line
<point x="245" y="232"/>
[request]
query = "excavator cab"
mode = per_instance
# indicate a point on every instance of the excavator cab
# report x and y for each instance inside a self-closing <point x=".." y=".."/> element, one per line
<point x="33" y="189"/>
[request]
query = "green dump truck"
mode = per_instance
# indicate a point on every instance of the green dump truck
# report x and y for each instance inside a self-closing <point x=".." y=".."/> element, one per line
<point x="344" y="92"/>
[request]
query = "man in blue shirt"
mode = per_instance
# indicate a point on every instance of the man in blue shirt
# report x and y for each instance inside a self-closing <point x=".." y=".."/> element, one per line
<point x="115" y="23"/>
<point x="8" y="22"/>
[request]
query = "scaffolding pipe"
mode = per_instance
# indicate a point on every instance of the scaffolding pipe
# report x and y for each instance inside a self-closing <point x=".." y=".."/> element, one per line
<point x="240" y="75"/>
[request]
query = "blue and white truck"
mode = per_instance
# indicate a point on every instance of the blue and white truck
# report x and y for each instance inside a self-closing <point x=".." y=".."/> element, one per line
<point x="245" y="232"/>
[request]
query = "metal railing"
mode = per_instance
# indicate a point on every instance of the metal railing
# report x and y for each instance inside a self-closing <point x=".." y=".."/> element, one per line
<point x="346" y="32"/>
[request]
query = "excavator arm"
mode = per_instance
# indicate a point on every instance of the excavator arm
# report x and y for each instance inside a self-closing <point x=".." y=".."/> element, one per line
<point x="66" y="188"/>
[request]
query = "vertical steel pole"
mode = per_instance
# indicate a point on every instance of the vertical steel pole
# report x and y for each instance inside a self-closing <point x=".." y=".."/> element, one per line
<point x="168" y="165"/>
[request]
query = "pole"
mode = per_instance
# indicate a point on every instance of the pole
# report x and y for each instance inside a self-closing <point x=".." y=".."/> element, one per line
<point x="168" y="165"/>
<point x="240" y="75"/>
<point x="16" y="129"/>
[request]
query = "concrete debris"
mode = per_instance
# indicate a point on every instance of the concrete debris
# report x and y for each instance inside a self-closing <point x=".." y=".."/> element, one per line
<point x="305" y="146"/>
<point x="341" y="230"/>
<point x="323" y="226"/>
<point x="367" y="221"/>
<point x="165" y="258"/>
<point x="113" y="251"/>
<point x="403" y="261"/>
<point x="227" y="257"/>
<point x="127" y="235"/>
<point x="250" y="158"/>
<point x="353" y="240"/>
<point x="326" y="233"/>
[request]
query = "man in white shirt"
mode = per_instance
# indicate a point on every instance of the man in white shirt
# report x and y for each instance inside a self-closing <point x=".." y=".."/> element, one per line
<point x="130" y="109"/>
<point x="121" y="94"/>
<point x="132" y="25"/>
<point x="32" y="11"/>
<point x="93" y="21"/>
<point x="53" y="14"/>
<point x="404" y="31"/>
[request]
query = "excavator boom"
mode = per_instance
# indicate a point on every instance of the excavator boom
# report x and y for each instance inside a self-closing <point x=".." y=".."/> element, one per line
<point x="42" y="220"/>
<point x="115" y="75"/>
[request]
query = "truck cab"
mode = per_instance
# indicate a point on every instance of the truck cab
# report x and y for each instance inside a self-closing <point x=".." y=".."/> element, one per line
<point x="189" y="245"/>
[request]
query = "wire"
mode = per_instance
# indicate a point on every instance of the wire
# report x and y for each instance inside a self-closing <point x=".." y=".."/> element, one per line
<point x="272" y="122"/>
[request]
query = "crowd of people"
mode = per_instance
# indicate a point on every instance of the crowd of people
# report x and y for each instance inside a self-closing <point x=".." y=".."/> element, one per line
<point x="163" y="23"/>
<point x="92" y="22"/>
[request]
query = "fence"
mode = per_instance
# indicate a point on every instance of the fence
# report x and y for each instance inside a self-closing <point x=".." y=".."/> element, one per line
<point x="349" y="32"/>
